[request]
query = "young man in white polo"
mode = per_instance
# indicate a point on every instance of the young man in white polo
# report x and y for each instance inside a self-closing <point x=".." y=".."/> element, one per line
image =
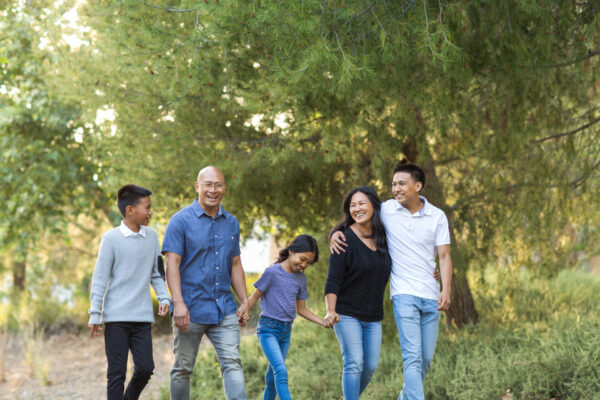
<point x="416" y="232"/>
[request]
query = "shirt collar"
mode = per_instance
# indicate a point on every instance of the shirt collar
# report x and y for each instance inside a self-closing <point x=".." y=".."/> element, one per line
<point x="199" y="211"/>
<point x="128" y="232"/>
<point x="426" y="210"/>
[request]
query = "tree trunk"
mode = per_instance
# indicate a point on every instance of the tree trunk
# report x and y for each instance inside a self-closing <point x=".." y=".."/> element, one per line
<point x="19" y="276"/>
<point x="462" y="308"/>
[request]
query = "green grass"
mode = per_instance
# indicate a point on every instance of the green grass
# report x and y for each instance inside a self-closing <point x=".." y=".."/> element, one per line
<point x="537" y="338"/>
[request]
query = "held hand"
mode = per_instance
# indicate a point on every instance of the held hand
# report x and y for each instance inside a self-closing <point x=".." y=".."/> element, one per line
<point x="331" y="318"/>
<point x="444" y="301"/>
<point x="243" y="318"/>
<point x="243" y="314"/>
<point x="163" y="309"/>
<point x="436" y="275"/>
<point x="181" y="316"/>
<point x="337" y="243"/>
<point x="95" y="330"/>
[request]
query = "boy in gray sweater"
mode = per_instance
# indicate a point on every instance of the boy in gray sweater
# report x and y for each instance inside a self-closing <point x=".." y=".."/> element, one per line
<point x="120" y="297"/>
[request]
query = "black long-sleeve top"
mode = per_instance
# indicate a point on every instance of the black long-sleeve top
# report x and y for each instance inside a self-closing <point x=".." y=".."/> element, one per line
<point x="358" y="277"/>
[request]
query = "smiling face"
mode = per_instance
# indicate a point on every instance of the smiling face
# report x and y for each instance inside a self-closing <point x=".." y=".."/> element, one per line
<point x="361" y="209"/>
<point x="405" y="189"/>
<point x="210" y="187"/>
<point x="140" y="213"/>
<point x="298" y="262"/>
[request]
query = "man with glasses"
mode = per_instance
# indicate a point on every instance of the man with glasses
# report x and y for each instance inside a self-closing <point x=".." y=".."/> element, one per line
<point x="201" y="245"/>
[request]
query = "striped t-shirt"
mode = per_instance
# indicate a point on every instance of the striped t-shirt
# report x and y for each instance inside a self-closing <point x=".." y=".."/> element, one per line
<point x="280" y="290"/>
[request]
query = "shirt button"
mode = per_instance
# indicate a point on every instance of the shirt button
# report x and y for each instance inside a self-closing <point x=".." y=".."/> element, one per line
<point x="216" y="236"/>
<point x="217" y="283"/>
<point x="217" y="267"/>
<point x="216" y="252"/>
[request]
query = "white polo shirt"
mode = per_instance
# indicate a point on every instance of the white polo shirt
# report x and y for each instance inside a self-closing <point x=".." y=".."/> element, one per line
<point x="412" y="242"/>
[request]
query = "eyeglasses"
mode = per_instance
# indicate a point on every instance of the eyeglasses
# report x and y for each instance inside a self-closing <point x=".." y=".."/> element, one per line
<point x="216" y="185"/>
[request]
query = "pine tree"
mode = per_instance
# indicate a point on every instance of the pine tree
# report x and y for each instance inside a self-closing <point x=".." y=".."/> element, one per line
<point x="497" y="102"/>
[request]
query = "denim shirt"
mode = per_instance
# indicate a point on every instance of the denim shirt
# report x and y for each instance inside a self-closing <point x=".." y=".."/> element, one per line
<point x="207" y="247"/>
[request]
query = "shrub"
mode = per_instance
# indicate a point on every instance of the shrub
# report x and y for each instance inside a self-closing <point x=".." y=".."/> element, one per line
<point x="537" y="338"/>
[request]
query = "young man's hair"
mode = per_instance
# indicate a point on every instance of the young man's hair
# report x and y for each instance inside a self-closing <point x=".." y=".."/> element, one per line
<point x="130" y="195"/>
<point x="416" y="173"/>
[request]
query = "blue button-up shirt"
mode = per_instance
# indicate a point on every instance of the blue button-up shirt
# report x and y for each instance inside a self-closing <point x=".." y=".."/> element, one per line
<point x="207" y="246"/>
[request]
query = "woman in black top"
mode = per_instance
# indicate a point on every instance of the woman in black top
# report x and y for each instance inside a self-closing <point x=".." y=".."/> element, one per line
<point x="354" y="289"/>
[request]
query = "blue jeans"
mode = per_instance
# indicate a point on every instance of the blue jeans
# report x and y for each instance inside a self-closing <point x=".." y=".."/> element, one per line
<point x="361" y="346"/>
<point x="274" y="338"/>
<point x="225" y="338"/>
<point x="417" y="320"/>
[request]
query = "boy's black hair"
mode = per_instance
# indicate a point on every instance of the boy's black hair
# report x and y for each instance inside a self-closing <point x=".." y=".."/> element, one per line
<point x="130" y="195"/>
<point x="416" y="173"/>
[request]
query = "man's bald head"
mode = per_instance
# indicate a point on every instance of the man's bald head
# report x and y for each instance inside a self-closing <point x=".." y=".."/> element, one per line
<point x="210" y="171"/>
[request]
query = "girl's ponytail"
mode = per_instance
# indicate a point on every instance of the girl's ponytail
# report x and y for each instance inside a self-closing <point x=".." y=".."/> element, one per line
<point x="283" y="255"/>
<point x="300" y="244"/>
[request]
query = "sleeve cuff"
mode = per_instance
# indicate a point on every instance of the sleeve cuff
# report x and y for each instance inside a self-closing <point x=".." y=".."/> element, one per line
<point x="179" y="252"/>
<point x="165" y="301"/>
<point x="94" y="319"/>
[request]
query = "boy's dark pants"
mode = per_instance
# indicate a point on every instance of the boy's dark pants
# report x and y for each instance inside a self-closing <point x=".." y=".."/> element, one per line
<point x="119" y="338"/>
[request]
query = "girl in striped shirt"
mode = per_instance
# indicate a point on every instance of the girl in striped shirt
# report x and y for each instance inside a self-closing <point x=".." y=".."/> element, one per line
<point x="282" y="290"/>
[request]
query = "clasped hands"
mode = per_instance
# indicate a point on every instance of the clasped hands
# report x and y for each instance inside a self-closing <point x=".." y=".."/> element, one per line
<point x="243" y="314"/>
<point x="331" y="318"/>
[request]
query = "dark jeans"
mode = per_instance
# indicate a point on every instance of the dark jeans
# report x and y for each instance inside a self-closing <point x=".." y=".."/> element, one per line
<point x="119" y="338"/>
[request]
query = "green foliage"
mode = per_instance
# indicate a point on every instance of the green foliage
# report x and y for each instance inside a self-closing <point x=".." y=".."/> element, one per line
<point x="538" y="339"/>
<point x="44" y="312"/>
<point x="298" y="104"/>
<point x="45" y="173"/>
<point x="497" y="103"/>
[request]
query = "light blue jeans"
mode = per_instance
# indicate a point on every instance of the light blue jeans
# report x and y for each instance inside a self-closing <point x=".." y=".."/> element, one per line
<point x="274" y="338"/>
<point x="360" y="342"/>
<point x="225" y="338"/>
<point x="417" y="320"/>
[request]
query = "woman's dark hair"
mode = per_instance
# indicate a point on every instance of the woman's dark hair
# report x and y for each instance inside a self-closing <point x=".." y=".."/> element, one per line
<point x="300" y="244"/>
<point x="378" y="236"/>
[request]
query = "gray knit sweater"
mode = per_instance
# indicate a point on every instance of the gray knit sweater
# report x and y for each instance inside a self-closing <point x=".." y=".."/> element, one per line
<point x="125" y="268"/>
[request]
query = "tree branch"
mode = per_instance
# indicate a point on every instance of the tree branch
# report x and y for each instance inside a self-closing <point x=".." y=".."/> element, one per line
<point x="579" y="181"/>
<point x="569" y="133"/>
<point x="590" y="54"/>
<point x="172" y="9"/>
<point x="355" y="16"/>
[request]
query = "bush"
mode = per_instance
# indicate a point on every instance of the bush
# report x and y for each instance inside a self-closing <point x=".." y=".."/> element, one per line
<point x="537" y="338"/>
<point x="45" y="312"/>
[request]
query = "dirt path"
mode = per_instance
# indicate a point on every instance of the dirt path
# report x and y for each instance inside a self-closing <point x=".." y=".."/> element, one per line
<point x="76" y="367"/>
